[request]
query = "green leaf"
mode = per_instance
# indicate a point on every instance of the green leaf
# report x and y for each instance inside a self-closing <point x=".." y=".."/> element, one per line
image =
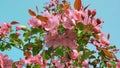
<point x="80" y="26"/>
<point x="92" y="57"/>
<point x="2" y="46"/>
<point x="24" y="28"/>
<point x="75" y="63"/>
<point x="45" y="55"/>
<point x="8" y="47"/>
<point x="35" y="50"/>
<point x="16" y="42"/>
<point x="13" y="35"/>
<point x="59" y="51"/>
<point x="50" y="50"/>
<point x="35" y="30"/>
<point x="59" y="8"/>
<point x="27" y="45"/>
<point x="26" y="34"/>
<point x="28" y="66"/>
<point x="114" y="64"/>
<point x="102" y="65"/>
<point x="36" y="66"/>
<point x="95" y="62"/>
<point x="13" y="65"/>
<point x="61" y="29"/>
<point x="5" y="46"/>
<point x="87" y="54"/>
<point x="80" y="48"/>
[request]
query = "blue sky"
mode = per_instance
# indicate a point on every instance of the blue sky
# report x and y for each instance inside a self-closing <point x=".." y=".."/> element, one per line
<point x="17" y="10"/>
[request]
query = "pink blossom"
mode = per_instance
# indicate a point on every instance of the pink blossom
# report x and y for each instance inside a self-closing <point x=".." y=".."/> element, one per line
<point x="86" y="18"/>
<point x="37" y="59"/>
<point x="69" y="64"/>
<point x="68" y="23"/>
<point x="20" y="63"/>
<point x="34" y="22"/>
<point x="5" y="29"/>
<point x="118" y="64"/>
<point x="82" y="16"/>
<point x="97" y="24"/>
<point x="96" y="29"/>
<point x="52" y="41"/>
<point x="1" y="62"/>
<point x="52" y="3"/>
<point x="100" y="41"/>
<point x="52" y="24"/>
<point x="18" y="28"/>
<point x="18" y="33"/>
<point x="96" y="43"/>
<point x="74" y="54"/>
<point x="108" y="64"/>
<point x="57" y="63"/>
<point x="68" y="39"/>
<point x="68" y="20"/>
<point x="85" y="64"/>
<point x="5" y="62"/>
<point x="103" y="40"/>
<point x="78" y="15"/>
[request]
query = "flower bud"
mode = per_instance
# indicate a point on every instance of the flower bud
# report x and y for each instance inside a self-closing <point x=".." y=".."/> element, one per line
<point x="93" y="12"/>
<point x="85" y="64"/>
<point x="18" y="27"/>
<point x="74" y="54"/>
<point x="89" y="12"/>
<point x="99" y="21"/>
<point x="18" y="33"/>
<point x="96" y="29"/>
<point x="108" y="64"/>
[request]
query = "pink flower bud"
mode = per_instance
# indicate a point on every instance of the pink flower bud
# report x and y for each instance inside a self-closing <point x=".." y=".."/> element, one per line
<point x="118" y="64"/>
<point x="74" y="54"/>
<point x="96" y="29"/>
<point x="85" y="64"/>
<point x="99" y="21"/>
<point x="108" y="64"/>
<point x="18" y="27"/>
<point x="89" y="12"/>
<point x="18" y="33"/>
<point x="93" y="12"/>
<point x="105" y="41"/>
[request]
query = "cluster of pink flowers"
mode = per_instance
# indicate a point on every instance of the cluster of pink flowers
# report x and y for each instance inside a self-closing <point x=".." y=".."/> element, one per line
<point x="69" y="19"/>
<point x="71" y="29"/>
<point x="51" y="4"/>
<point x="4" y="29"/>
<point x="57" y="63"/>
<point x="66" y="39"/>
<point x="100" y="41"/>
<point x="5" y="62"/>
<point x="33" y="60"/>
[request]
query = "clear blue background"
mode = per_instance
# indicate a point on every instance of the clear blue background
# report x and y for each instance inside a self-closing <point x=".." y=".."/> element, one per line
<point x="108" y="10"/>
